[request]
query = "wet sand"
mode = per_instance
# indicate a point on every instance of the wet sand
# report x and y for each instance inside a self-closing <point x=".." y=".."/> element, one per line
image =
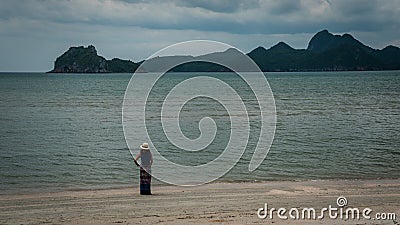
<point x="216" y="203"/>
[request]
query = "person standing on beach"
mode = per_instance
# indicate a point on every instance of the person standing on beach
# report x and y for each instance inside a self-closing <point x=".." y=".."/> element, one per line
<point x="146" y="160"/>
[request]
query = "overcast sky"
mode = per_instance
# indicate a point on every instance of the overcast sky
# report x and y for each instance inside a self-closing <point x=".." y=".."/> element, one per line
<point x="34" y="32"/>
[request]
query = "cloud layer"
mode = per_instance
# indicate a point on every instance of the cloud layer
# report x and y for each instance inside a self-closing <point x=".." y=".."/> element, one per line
<point x="136" y="28"/>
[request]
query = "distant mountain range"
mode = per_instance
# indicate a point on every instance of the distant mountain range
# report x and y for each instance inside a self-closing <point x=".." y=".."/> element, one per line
<point x="325" y="52"/>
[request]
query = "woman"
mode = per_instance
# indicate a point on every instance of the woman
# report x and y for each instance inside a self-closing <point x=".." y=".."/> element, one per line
<point x="146" y="160"/>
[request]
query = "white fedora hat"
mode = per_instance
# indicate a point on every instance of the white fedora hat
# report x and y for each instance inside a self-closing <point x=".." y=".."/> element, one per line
<point x="144" y="146"/>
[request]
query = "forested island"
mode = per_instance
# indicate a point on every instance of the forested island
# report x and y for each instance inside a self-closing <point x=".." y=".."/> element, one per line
<point x="325" y="52"/>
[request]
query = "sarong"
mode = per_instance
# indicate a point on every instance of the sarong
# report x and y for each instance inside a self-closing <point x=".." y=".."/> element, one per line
<point x="145" y="182"/>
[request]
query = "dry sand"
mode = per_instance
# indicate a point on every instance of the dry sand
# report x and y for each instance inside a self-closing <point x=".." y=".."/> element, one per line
<point x="216" y="203"/>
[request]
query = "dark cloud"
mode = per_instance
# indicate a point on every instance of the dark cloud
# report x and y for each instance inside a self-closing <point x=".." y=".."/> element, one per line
<point x="232" y="16"/>
<point x="284" y="7"/>
<point x="155" y="23"/>
<point x="224" y="6"/>
<point x="356" y="7"/>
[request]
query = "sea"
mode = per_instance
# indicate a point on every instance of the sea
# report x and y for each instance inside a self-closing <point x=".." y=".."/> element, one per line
<point x="64" y="131"/>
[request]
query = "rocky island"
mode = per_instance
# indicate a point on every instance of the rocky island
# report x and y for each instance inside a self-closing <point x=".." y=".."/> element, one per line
<point x="85" y="60"/>
<point x="325" y="52"/>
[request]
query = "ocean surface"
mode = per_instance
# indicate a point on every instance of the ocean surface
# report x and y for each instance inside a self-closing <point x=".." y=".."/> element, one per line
<point x="64" y="131"/>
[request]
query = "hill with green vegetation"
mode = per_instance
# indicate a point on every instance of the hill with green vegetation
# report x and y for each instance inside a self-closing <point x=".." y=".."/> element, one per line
<point x="325" y="52"/>
<point x="85" y="60"/>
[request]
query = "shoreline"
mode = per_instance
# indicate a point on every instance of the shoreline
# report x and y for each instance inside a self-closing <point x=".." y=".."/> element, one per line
<point x="276" y="72"/>
<point x="233" y="203"/>
<point x="28" y="191"/>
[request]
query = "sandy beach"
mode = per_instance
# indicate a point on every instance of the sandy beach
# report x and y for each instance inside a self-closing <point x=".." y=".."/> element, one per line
<point x="216" y="203"/>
